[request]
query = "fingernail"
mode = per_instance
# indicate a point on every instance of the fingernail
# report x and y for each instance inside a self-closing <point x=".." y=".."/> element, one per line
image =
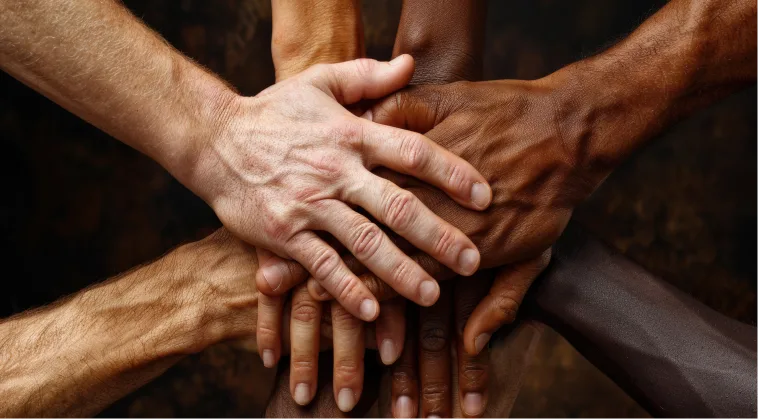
<point x="272" y="276"/>
<point x="429" y="292"/>
<point x="473" y="404"/>
<point x="481" y="341"/>
<point x="396" y="61"/>
<point x="268" y="358"/>
<point x="480" y="195"/>
<point x="468" y="261"/>
<point x="388" y="352"/>
<point x="433" y="417"/>
<point x="404" y="407"/>
<point x="346" y="400"/>
<point x="368" y="310"/>
<point x="301" y="394"/>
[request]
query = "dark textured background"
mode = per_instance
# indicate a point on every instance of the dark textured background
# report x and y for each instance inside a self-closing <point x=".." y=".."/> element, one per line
<point x="78" y="206"/>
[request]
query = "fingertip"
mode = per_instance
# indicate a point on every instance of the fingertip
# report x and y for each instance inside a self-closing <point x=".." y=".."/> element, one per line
<point x="480" y="195"/>
<point x="269" y="278"/>
<point x="468" y="261"/>
<point x="368" y="309"/>
<point x="429" y="293"/>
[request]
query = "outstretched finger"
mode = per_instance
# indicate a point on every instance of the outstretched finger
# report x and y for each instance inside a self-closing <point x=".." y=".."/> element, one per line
<point x="375" y="250"/>
<point x="500" y="307"/>
<point x="326" y="266"/>
<point x="418" y="156"/>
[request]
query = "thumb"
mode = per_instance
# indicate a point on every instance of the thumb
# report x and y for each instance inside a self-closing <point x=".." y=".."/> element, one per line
<point x="364" y="78"/>
<point x="418" y="109"/>
<point x="501" y="305"/>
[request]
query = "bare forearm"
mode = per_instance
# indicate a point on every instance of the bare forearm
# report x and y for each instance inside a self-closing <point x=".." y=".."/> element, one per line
<point x="445" y="38"/>
<point x="100" y="62"/>
<point x="675" y="356"/>
<point x="687" y="55"/>
<point x="79" y="355"/>
<point x="76" y="357"/>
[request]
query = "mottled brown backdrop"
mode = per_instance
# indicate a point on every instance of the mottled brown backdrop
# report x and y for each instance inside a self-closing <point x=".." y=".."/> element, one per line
<point x="78" y="206"/>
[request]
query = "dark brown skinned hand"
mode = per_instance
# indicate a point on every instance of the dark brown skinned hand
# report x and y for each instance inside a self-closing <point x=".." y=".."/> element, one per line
<point x="510" y="132"/>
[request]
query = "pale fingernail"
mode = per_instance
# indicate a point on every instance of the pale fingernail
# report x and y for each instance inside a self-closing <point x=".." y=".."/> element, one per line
<point x="481" y="341"/>
<point x="480" y="195"/>
<point x="301" y="394"/>
<point x="473" y="404"/>
<point x="388" y="352"/>
<point x="368" y="310"/>
<point x="346" y="400"/>
<point x="404" y="407"/>
<point x="272" y="276"/>
<point x="429" y="293"/>
<point x="468" y="261"/>
<point x="433" y="417"/>
<point x="268" y="358"/>
<point x="396" y="61"/>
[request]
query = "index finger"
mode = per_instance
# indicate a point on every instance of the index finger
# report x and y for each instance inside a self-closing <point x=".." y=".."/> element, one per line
<point x="416" y="155"/>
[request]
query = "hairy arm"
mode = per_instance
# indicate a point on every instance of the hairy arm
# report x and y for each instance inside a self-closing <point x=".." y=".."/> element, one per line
<point x="100" y="62"/>
<point x="686" y="56"/>
<point x="675" y="356"/>
<point x="75" y="357"/>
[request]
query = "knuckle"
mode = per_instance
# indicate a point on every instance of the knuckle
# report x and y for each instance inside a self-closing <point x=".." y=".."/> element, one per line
<point x="348" y="132"/>
<point x="507" y="306"/>
<point x="473" y="375"/>
<point x="399" y="209"/>
<point x="266" y="333"/>
<point x="367" y="240"/>
<point x="302" y="365"/>
<point x="343" y="319"/>
<point x="346" y="288"/>
<point x="325" y="262"/>
<point x="433" y="338"/>
<point x="434" y="391"/>
<point x="277" y="227"/>
<point x="456" y="178"/>
<point x="346" y="369"/>
<point x="413" y="153"/>
<point x="445" y="243"/>
<point x="401" y="274"/>
<point x="404" y="379"/>
<point x="305" y="311"/>
<point x="365" y="65"/>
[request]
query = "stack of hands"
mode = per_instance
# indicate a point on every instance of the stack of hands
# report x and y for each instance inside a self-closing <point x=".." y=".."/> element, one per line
<point x="370" y="200"/>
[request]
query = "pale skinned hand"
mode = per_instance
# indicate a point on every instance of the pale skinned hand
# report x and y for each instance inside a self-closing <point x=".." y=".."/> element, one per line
<point x="276" y="189"/>
<point x="292" y="52"/>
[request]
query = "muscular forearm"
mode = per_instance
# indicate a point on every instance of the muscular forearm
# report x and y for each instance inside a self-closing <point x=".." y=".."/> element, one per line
<point x="100" y="62"/>
<point x="675" y="356"/>
<point x="682" y="58"/>
<point x="446" y="39"/>
<point x="79" y="355"/>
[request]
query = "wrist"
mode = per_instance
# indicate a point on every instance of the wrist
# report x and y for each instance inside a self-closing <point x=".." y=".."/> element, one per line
<point x="301" y="37"/>
<point x="447" y="43"/>
<point x="204" y="110"/>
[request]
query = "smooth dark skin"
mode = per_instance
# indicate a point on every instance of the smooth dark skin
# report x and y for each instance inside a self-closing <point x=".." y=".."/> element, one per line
<point x="673" y="355"/>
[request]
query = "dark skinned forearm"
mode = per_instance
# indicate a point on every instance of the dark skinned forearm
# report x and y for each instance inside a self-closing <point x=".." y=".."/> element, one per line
<point x="686" y="56"/>
<point x="446" y="39"/>
<point x="675" y="356"/>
